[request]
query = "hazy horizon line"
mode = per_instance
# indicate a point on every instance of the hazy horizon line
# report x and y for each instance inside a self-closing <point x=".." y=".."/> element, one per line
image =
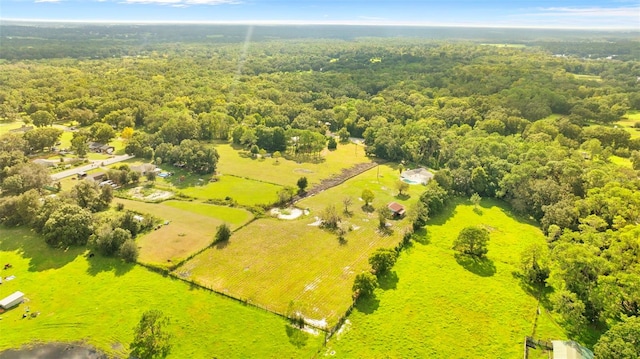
<point x="318" y="23"/>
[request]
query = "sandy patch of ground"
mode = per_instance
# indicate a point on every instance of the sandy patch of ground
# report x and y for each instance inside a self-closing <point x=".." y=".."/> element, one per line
<point x="317" y="223"/>
<point x="53" y="351"/>
<point x="288" y="213"/>
<point x="151" y="195"/>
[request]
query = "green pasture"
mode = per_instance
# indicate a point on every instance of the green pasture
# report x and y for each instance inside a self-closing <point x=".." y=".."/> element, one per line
<point x="588" y="77"/>
<point x="288" y="266"/>
<point x="287" y="171"/>
<point x="628" y="123"/>
<point x="7" y="126"/>
<point x="516" y="46"/>
<point x="242" y="190"/>
<point x="99" y="301"/>
<point x="621" y="161"/>
<point x="433" y="305"/>
<point x="191" y="227"/>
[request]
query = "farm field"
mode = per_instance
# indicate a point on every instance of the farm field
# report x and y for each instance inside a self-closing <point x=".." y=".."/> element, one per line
<point x="99" y="301"/>
<point x="244" y="191"/>
<point x="286" y="172"/>
<point x="431" y="306"/>
<point x="191" y="228"/>
<point x="289" y="266"/>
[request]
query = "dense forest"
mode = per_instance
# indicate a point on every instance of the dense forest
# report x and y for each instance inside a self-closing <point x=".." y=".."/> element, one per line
<point x="532" y="124"/>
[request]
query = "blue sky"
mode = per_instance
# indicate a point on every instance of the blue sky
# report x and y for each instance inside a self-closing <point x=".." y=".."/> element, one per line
<point x="590" y="14"/>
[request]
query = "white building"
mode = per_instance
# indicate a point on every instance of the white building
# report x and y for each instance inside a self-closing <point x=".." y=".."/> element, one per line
<point x="12" y="300"/>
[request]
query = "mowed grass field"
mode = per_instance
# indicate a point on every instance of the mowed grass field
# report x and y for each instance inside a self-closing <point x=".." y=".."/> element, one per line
<point x="244" y="191"/>
<point x="99" y="301"/>
<point x="192" y="227"/>
<point x="431" y="306"/>
<point x="286" y="172"/>
<point x="7" y="126"/>
<point x="289" y="266"/>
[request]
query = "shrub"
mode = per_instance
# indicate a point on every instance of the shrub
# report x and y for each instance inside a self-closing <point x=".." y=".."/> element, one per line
<point x="222" y="234"/>
<point x="129" y="251"/>
<point x="364" y="285"/>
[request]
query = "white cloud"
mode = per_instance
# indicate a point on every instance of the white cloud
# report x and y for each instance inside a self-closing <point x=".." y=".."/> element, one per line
<point x="592" y="11"/>
<point x="181" y="3"/>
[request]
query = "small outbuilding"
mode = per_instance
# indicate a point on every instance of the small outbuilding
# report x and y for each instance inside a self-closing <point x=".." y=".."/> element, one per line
<point x="12" y="300"/>
<point x="396" y="209"/>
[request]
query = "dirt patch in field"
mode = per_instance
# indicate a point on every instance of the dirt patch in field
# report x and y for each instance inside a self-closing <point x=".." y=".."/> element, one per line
<point x="53" y="351"/>
<point x="287" y="213"/>
<point x="150" y="195"/>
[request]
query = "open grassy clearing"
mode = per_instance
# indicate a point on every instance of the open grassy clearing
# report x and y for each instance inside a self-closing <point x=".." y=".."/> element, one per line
<point x="289" y="266"/>
<point x="628" y="123"/>
<point x="621" y="161"/>
<point x="7" y="126"/>
<point x="286" y="172"/>
<point x="431" y="306"/>
<point x="514" y="46"/>
<point x="191" y="228"/>
<point x="244" y="191"/>
<point x="588" y="77"/>
<point x="99" y="300"/>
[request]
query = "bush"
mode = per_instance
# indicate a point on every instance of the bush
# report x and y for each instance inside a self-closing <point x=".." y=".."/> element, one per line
<point x="222" y="234"/>
<point x="382" y="260"/>
<point x="364" y="285"/>
<point x="332" y="145"/>
<point x="129" y="251"/>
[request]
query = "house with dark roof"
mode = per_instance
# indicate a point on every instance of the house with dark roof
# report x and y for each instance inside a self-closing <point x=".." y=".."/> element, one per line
<point x="101" y="148"/>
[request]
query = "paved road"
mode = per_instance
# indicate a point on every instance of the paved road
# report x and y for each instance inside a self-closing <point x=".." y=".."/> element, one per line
<point x="94" y="164"/>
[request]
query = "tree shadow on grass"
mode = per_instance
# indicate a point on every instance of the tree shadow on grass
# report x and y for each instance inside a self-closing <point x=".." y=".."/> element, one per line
<point x="447" y="212"/>
<point x="483" y="267"/>
<point x="221" y="244"/>
<point x="297" y="337"/>
<point x="32" y="246"/>
<point x="368" y="208"/>
<point x="367" y="305"/>
<point x="403" y="197"/>
<point x="388" y="281"/>
<point x="99" y="264"/>
<point x="421" y="236"/>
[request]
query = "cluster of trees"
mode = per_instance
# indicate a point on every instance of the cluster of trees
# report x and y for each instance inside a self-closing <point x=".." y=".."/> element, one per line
<point x="75" y="218"/>
<point x="190" y="154"/>
<point x="381" y="261"/>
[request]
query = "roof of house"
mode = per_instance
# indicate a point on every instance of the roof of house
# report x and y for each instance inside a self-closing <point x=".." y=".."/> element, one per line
<point x="98" y="145"/>
<point x="396" y="207"/>
<point x="568" y="349"/>
<point x="97" y="175"/>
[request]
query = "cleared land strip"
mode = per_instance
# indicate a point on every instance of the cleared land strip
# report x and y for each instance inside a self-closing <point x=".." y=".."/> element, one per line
<point x="335" y="180"/>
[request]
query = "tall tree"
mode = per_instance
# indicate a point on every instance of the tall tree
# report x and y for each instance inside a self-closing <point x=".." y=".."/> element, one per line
<point x="150" y="337"/>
